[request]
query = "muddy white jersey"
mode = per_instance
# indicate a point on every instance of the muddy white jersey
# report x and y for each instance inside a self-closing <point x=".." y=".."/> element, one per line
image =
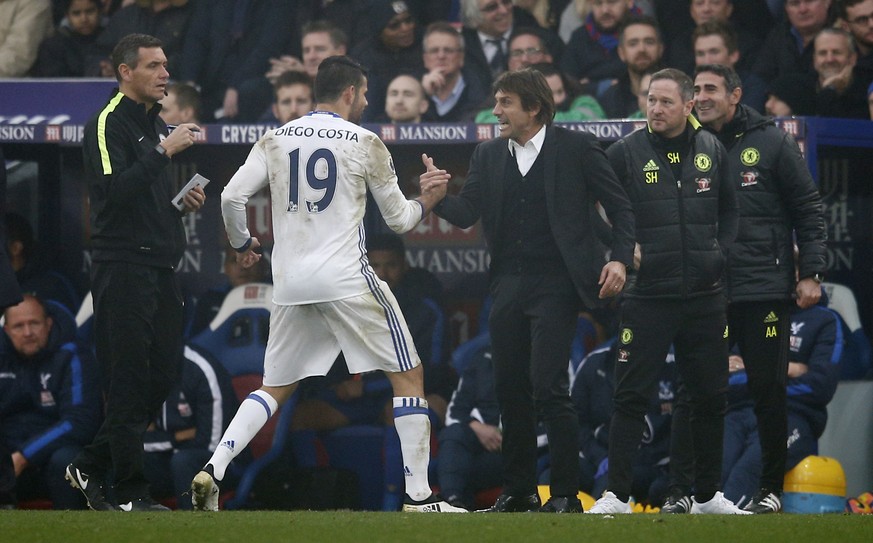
<point x="318" y="168"/>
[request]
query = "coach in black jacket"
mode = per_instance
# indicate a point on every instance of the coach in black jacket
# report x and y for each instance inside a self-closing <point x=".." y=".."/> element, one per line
<point x="137" y="239"/>
<point x="779" y="206"/>
<point x="535" y="188"/>
<point x="676" y="176"/>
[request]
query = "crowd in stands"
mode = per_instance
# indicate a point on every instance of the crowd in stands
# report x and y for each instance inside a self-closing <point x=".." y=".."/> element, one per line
<point x="818" y="60"/>
<point x="235" y="61"/>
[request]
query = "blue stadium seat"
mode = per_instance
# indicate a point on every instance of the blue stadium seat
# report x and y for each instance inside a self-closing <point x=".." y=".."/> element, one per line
<point x="857" y="357"/>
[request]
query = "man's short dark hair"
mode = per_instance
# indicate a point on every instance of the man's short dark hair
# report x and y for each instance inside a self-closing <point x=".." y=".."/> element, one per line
<point x="717" y="27"/>
<point x="126" y="51"/>
<point x="292" y="77"/>
<point x="387" y="242"/>
<point x="530" y="31"/>
<point x="443" y="27"/>
<point x="731" y="78"/>
<point x="841" y="6"/>
<point x="337" y="36"/>
<point x="531" y="87"/>
<point x="639" y="20"/>
<point x="335" y="75"/>
<point x="686" y="86"/>
<point x="186" y="96"/>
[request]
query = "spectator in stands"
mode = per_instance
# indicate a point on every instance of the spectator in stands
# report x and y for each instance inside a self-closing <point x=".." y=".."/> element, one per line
<point x="405" y="101"/>
<point x="816" y="346"/>
<point x="227" y="50"/>
<point x="570" y="104"/>
<point x="488" y="24"/>
<point x="321" y="39"/>
<point x="167" y="20"/>
<point x="592" y="56"/>
<point x="293" y="97"/>
<point x="186" y="431"/>
<point x="640" y="48"/>
<point x="543" y="11"/>
<point x="841" y="91"/>
<point x="856" y="16"/>
<point x="679" y="49"/>
<point x="453" y="96"/>
<point x="32" y="273"/>
<point x="470" y="444"/>
<point x="49" y="402"/>
<point x="526" y="47"/>
<point x="64" y="54"/>
<point x="642" y="97"/>
<point x="592" y="390"/>
<point x="789" y="46"/>
<point x="790" y="94"/>
<point x="395" y="48"/>
<point x="23" y="26"/>
<point x="715" y="42"/>
<point x="210" y="302"/>
<point x="181" y="105"/>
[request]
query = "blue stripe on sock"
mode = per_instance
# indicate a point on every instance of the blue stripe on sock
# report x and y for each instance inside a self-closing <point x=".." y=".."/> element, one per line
<point x="261" y="401"/>
<point x="404" y="411"/>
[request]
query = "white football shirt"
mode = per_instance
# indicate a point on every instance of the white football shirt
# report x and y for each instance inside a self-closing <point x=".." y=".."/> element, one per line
<point x="318" y="168"/>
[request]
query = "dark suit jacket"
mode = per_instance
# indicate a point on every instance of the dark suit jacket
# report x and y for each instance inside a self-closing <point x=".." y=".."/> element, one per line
<point x="577" y="174"/>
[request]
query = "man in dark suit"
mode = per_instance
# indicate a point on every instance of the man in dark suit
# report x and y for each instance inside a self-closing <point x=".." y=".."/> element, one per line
<point x="535" y="188"/>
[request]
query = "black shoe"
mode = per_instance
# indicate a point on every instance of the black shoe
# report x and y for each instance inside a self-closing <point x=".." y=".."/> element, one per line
<point x="91" y="487"/>
<point x="765" y="501"/>
<point x="562" y="504"/>
<point x="142" y="504"/>
<point x="514" y="504"/>
<point x="676" y="504"/>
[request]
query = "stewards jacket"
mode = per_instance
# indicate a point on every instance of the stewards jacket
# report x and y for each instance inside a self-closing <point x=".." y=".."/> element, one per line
<point x="576" y="175"/>
<point x="131" y="187"/>
<point x="49" y="401"/>
<point x="684" y="226"/>
<point x="779" y="205"/>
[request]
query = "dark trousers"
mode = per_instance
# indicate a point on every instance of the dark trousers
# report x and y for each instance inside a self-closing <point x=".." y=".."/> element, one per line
<point x="762" y="331"/>
<point x="532" y="322"/>
<point x="696" y="327"/>
<point x="138" y="339"/>
<point x="465" y="467"/>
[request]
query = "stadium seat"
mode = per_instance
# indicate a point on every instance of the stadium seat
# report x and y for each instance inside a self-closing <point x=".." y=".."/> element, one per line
<point x="858" y="355"/>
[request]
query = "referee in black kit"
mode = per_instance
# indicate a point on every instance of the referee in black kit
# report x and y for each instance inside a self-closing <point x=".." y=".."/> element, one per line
<point x="675" y="176"/>
<point x="137" y="239"/>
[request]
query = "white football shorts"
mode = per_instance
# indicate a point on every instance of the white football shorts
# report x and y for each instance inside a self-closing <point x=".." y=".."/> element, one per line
<point x="369" y="329"/>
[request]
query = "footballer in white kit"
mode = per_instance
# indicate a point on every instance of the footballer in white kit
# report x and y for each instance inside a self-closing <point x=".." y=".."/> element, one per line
<point x="327" y="297"/>
<point x="318" y="168"/>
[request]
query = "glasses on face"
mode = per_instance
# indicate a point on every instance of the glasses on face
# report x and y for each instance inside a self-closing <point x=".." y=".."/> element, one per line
<point x="491" y="7"/>
<point x="397" y="23"/>
<point x="442" y="50"/>
<point x="530" y="52"/>
<point x="862" y="20"/>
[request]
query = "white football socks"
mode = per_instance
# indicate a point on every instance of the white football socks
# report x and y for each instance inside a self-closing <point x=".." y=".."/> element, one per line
<point x="253" y="414"/>
<point x="413" y="427"/>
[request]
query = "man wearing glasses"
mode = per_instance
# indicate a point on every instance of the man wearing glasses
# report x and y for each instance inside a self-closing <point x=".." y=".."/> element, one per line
<point x="453" y="95"/>
<point x="856" y="16"/>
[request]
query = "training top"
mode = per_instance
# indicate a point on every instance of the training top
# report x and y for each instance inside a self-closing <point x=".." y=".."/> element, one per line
<point x="318" y="168"/>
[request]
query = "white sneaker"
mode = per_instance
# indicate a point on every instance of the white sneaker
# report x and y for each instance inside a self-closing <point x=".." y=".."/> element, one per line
<point x="204" y="492"/>
<point x="609" y="504"/>
<point x="718" y="505"/>
<point x="432" y="504"/>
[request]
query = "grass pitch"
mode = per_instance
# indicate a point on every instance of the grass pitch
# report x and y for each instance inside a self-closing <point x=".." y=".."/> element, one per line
<point x="358" y="527"/>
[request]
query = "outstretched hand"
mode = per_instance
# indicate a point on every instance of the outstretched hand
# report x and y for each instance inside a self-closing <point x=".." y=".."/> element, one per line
<point x="434" y="181"/>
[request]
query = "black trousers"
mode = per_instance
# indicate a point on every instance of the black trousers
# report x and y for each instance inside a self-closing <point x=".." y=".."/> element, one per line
<point x="762" y="331"/>
<point x="532" y="322"/>
<point x="696" y="327"/>
<point x="138" y="337"/>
